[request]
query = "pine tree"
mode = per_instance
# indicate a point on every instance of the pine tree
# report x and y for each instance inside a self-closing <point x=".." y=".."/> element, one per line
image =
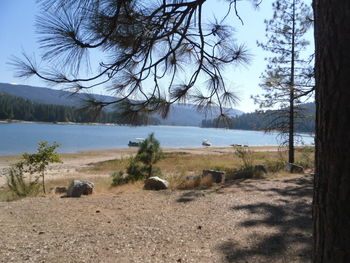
<point x="149" y="153"/>
<point x="140" y="42"/>
<point x="289" y="75"/>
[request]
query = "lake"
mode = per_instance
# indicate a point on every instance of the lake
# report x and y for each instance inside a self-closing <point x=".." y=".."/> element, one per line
<point x="16" y="138"/>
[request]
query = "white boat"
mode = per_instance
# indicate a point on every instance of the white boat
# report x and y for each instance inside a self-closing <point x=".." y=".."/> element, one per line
<point x="206" y="142"/>
<point x="136" y="143"/>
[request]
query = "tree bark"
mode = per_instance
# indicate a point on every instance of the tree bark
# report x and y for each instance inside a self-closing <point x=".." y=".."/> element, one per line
<point x="291" y="94"/>
<point x="331" y="205"/>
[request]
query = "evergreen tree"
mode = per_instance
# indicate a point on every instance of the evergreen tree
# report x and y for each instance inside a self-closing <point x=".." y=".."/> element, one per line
<point x="288" y="76"/>
<point x="141" y="41"/>
<point x="149" y="153"/>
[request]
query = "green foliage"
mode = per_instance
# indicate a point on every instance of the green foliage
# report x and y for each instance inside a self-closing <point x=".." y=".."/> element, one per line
<point x="17" y="182"/>
<point x="33" y="164"/>
<point x="274" y="166"/>
<point x="148" y="154"/>
<point x="142" y="165"/>
<point x="117" y="178"/>
<point x="306" y="159"/>
<point x="245" y="155"/>
<point x="135" y="170"/>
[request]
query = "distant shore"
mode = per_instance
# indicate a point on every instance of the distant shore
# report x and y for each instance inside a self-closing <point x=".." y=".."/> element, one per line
<point x="62" y="122"/>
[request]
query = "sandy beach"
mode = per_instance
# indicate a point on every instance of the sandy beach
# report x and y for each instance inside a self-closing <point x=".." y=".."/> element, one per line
<point x="73" y="163"/>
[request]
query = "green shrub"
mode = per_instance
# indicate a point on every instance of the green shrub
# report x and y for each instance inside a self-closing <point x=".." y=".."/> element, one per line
<point x="148" y="154"/>
<point x="306" y="160"/>
<point x="135" y="170"/>
<point x="19" y="184"/>
<point x="117" y="178"/>
<point x="32" y="165"/>
<point x="274" y="166"/>
<point x="245" y="155"/>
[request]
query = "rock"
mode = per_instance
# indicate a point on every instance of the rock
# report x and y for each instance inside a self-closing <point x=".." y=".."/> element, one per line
<point x="260" y="168"/>
<point x="217" y="176"/>
<point x="193" y="177"/>
<point x="88" y="187"/>
<point x="292" y="168"/>
<point x="156" y="183"/>
<point x="60" y="190"/>
<point x="78" y="188"/>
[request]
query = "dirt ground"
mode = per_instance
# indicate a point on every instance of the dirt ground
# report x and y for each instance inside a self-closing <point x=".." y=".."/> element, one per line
<point x="266" y="220"/>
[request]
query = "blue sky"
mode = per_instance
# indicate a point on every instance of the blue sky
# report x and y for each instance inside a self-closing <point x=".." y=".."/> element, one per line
<point x="17" y="31"/>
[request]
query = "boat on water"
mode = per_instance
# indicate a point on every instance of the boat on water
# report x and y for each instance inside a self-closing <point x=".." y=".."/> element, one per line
<point x="206" y="142"/>
<point x="136" y="143"/>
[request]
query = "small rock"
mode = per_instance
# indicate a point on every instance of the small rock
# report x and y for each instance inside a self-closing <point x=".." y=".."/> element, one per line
<point x="292" y="168"/>
<point x="156" y="183"/>
<point x="59" y="190"/>
<point x="193" y="177"/>
<point x="218" y="177"/>
<point x="98" y="211"/>
<point x="260" y="168"/>
<point x="199" y="227"/>
<point x="78" y="188"/>
<point x="41" y="232"/>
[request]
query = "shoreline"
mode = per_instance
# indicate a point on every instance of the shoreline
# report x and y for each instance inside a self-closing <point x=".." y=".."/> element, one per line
<point x="199" y="149"/>
<point x="127" y="125"/>
<point x="74" y="162"/>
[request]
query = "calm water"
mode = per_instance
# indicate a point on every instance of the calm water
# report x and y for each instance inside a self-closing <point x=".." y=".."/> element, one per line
<point x="16" y="138"/>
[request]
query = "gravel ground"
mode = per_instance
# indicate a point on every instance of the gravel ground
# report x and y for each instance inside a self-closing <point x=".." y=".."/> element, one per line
<point x="249" y="221"/>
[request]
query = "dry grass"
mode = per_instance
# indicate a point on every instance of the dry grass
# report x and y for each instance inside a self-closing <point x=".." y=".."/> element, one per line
<point x="176" y="166"/>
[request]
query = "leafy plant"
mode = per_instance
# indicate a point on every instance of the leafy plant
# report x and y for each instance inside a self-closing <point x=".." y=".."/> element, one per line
<point x="245" y="155"/>
<point x="148" y="154"/>
<point x="117" y="178"/>
<point x="18" y="183"/>
<point x="275" y="166"/>
<point x="306" y="159"/>
<point x="33" y="164"/>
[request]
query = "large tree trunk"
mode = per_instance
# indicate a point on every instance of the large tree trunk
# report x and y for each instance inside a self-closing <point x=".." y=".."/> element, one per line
<point x="291" y="94"/>
<point x="331" y="205"/>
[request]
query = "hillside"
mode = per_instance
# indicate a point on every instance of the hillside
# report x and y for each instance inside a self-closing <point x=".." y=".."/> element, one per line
<point x="260" y="121"/>
<point x="179" y="115"/>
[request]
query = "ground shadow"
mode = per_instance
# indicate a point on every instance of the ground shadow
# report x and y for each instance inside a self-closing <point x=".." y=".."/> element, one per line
<point x="282" y="229"/>
<point x="189" y="196"/>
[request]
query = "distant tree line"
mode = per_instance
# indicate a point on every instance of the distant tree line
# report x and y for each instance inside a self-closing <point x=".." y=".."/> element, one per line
<point x="16" y="108"/>
<point x="262" y="120"/>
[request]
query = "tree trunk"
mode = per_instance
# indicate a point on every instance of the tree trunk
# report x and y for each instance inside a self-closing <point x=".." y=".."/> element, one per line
<point x="291" y="95"/>
<point x="43" y="182"/>
<point x="331" y="205"/>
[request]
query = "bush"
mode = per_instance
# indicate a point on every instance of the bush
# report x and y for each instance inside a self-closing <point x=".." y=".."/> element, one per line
<point x="148" y="154"/>
<point x="245" y="155"/>
<point x="33" y="165"/>
<point x="307" y="157"/>
<point x="117" y="178"/>
<point x="274" y="166"/>
<point x="18" y="184"/>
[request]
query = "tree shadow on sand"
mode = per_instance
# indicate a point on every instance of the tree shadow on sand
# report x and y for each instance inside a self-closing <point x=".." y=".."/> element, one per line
<point x="280" y="231"/>
<point x="189" y="196"/>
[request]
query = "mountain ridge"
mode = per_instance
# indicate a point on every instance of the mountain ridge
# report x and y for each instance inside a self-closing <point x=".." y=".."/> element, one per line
<point x="179" y="114"/>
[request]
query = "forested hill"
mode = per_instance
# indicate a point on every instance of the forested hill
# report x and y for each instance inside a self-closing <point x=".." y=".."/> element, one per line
<point x="259" y="121"/>
<point x="15" y="108"/>
<point x="181" y="115"/>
